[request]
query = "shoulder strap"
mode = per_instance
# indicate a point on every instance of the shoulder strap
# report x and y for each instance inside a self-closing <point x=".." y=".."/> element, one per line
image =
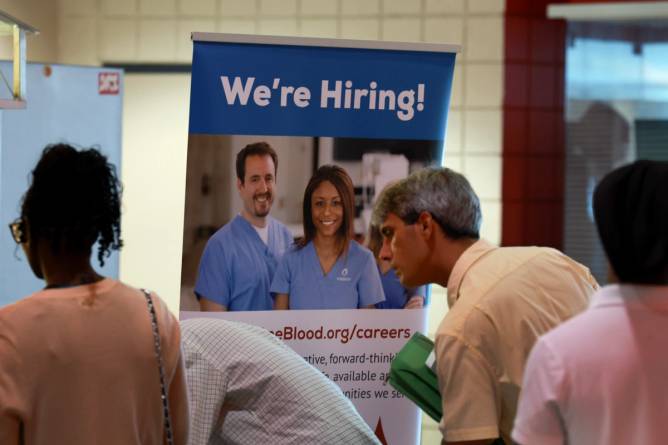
<point x="161" y="368"/>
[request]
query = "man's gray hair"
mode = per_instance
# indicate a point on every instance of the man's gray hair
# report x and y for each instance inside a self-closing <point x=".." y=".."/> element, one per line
<point x="445" y="194"/>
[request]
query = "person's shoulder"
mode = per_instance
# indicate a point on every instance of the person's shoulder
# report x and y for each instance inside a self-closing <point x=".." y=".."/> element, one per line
<point x="296" y="250"/>
<point x="225" y="236"/>
<point x="604" y="317"/>
<point x="359" y="250"/>
<point x="506" y="272"/>
<point x="118" y="288"/>
<point x="22" y="304"/>
<point x="218" y="335"/>
<point x="207" y="325"/>
<point x="228" y="228"/>
<point x="507" y="262"/>
<point x="277" y="225"/>
<point x="527" y="255"/>
<point x="54" y="301"/>
<point x="59" y="305"/>
<point x="195" y="330"/>
<point x="549" y="253"/>
<point x="547" y="261"/>
<point x="22" y="329"/>
<point x="134" y="299"/>
<point x="577" y="338"/>
<point x="521" y="252"/>
<point x="15" y="313"/>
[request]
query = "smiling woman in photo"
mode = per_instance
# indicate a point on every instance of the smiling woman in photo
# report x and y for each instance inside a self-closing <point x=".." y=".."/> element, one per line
<point x="327" y="269"/>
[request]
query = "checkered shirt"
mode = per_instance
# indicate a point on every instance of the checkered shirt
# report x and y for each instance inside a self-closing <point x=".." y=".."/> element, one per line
<point x="273" y="396"/>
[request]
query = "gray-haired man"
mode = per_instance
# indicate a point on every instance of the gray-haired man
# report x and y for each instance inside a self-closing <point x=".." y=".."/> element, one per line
<point x="501" y="299"/>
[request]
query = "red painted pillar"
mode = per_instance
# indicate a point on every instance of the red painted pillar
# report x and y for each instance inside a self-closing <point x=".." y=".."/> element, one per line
<point x="533" y="126"/>
<point x="534" y="147"/>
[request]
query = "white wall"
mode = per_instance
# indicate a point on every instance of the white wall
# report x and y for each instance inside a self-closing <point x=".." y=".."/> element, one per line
<point x="155" y="134"/>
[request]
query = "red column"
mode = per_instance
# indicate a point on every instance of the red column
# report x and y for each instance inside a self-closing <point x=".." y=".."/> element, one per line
<point x="533" y="126"/>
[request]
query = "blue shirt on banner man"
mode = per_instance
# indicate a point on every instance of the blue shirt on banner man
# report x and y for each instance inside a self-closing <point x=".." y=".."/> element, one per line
<point x="240" y="259"/>
<point x="352" y="283"/>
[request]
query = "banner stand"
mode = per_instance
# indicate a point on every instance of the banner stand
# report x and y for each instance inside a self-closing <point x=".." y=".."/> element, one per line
<point x="377" y="109"/>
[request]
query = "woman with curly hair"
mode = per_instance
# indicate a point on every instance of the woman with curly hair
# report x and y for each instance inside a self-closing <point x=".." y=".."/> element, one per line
<point x="78" y="359"/>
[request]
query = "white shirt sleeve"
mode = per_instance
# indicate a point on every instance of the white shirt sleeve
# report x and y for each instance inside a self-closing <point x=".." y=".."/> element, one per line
<point x="539" y="418"/>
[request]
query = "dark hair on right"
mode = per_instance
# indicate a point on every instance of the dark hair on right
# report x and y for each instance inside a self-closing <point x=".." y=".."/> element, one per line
<point x="74" y="200"/>
<point x="631" y="212"/>
<point x="256" y="149"/>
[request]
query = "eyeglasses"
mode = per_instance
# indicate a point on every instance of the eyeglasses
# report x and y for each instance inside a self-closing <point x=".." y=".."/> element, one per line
<point x="18" y="231"/>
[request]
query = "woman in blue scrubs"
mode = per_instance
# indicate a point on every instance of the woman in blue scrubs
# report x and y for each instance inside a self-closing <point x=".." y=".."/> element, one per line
<point x="327" y="269"/>
<point x="396" y="295"/>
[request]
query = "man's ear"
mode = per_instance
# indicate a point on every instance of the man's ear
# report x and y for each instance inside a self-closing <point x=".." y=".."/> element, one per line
<point x="239" y="184"/>
<point x="425" y="225"/>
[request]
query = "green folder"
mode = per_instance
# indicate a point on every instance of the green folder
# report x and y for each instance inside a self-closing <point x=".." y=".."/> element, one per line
<point x="412" y="373"/>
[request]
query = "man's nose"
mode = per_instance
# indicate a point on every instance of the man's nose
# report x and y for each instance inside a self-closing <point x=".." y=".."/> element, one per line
<point x="385" y="251"/>
<point x="262" y="186"/>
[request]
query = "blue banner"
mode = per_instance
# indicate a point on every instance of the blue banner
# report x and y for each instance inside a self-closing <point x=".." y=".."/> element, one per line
<point x="247" y="88"/>
<point x="376" y="110"/>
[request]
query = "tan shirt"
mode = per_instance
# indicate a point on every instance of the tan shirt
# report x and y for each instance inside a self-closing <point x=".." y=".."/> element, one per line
<point x="77" y="366"/>
<point x="501" y="300"/>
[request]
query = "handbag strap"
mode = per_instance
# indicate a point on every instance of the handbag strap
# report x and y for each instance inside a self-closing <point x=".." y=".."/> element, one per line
<point x="161" y="368"/>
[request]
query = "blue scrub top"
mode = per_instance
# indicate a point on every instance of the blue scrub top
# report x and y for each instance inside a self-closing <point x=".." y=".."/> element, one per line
<point x="236" y="267"/>
<point x="396" y="295"/>
<point x="352" y="283"/>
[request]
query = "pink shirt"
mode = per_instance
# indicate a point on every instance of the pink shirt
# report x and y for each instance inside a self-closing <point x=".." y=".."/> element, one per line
<point x="601" y="377"/>
<point x="77" y="366"/>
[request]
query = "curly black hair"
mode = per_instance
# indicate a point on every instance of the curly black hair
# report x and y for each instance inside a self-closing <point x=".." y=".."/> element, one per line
<point x="74" y="200"/>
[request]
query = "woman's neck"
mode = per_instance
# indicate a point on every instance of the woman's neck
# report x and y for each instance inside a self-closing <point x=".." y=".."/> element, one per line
<point x="66" y="269"/>
<point x="328" y="245"/>
<point x="328" y="249"/>
<point x="72" y="279"/>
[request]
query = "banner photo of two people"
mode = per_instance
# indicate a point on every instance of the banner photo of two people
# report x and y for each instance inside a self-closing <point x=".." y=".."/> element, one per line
<point x="290" y="141"/>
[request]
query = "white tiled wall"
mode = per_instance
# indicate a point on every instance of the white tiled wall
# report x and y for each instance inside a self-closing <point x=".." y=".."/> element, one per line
<point x="97" y="31"/>
<point x="357" y="7"/>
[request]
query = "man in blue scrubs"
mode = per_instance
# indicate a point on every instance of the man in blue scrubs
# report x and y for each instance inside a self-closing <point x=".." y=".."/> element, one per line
<point x="240" y="259"/>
